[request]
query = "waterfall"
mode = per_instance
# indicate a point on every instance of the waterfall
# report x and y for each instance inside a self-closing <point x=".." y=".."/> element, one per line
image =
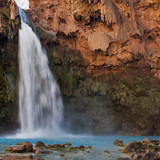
<point x="40" y="103"/>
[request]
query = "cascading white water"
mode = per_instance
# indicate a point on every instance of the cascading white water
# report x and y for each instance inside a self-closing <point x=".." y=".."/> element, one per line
<point x="40" y="103"/>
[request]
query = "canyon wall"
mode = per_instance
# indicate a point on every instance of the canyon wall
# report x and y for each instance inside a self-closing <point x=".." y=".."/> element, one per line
<point x="105" y="57"/>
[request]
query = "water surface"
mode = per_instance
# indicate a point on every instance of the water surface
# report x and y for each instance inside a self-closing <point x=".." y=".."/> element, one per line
<point x="98" y="143"/>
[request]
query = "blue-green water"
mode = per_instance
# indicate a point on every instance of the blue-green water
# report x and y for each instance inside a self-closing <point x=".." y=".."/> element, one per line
<point x="98" y="143"/>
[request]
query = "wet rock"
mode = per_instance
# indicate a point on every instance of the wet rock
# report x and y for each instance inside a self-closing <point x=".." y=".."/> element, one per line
<point x="15" y="157"/>
<point x="28" y="146"/>
<point x="118" y="143"/>
<point x="123" y="159"/>
<point x="129" y="148"/>
<point x="134" y="147"/>
<point x="55" y="146"/>
<point x="146" y="140"/>
<point x="74" y="148"/>
<point x="42" y="151"/>
<point x="29" y="157"/>
<point x="149" y="156"/>
<point x="136" y="157"/>
<point x="68" y="144"/>
<point x="40" y="144"/>
<point x="19" y="143"/>
<point x="8" y="149"/>
<point x="18" y="149"/>
<point x="61" y="155"/>
<point x="81" y="147"/>
<point x="89" y="147"/>
<point x="157" y="156"/>
<point x="106" y="152"/>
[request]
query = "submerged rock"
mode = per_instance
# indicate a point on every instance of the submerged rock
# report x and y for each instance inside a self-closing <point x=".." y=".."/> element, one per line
<point x="42" y="151"/>
<point x="106" y="152"/>
<point x="61" y="155"/>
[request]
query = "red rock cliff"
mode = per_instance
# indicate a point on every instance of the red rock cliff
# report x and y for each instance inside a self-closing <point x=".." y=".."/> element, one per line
<point x="110" y="34"/>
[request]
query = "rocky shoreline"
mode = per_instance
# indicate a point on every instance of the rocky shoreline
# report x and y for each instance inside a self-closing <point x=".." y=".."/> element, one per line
<point x="146" y="149"/>
<point x="41" y="148"/>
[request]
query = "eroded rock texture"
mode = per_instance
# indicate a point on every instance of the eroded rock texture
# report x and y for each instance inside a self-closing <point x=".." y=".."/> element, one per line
<point x="105" y="55"/>
<point x="126" y="32"/>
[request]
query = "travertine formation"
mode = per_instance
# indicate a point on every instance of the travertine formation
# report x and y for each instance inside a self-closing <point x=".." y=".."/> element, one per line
<point x="126" y="32"/>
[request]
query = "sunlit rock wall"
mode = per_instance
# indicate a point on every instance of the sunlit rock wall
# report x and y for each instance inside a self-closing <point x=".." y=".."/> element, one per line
<point x="105" y="57"/>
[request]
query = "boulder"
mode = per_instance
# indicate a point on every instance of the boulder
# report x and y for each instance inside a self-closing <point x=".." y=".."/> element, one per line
<point x="81" y="147"/>
<point x="157" y="156"/>
<point x="28" y="146"/>
<point x="149" y="156"/>
<point x="130" y="147"/>
<point x="8" y="149"/>
<point x="68" y="144"/>
<point x="61" y="155"/>
<point x="146" y="140"/>
<point x="118" y="143"/>
<point x="136" y="157"/>
<point x="134" y="147"/>
<point x="89" y="147"/>
<point x="42" y="151"/>
<point x="40" y="144"/>
<point x="18" y="149"/>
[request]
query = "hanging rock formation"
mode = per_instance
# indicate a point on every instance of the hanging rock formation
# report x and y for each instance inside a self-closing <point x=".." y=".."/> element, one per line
<point x="130" y="26"/>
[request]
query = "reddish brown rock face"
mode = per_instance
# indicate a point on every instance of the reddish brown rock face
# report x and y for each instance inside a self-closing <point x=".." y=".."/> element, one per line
<point x="28" y="146"/>
<point x="126" y="32"/>
<point x="110" y="41"/>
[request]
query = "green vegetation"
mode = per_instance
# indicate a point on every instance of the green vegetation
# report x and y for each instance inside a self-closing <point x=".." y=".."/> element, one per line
<point x="137" y="90"/>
